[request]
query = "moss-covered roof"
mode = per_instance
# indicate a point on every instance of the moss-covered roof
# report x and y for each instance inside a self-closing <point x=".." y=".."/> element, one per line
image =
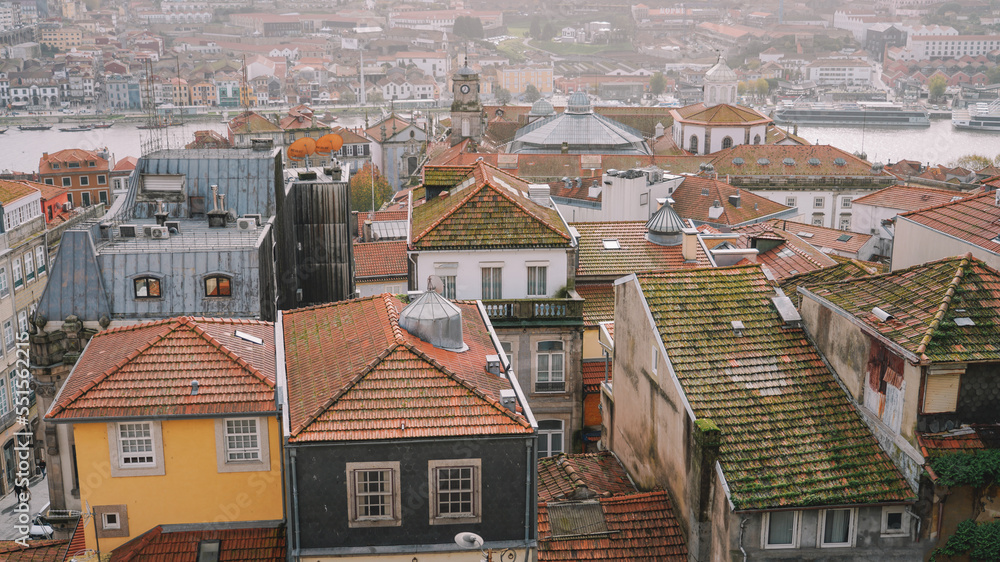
<point x="486" y="208"/>
<point x="789" y="435"/>
<point x="849" y="269"/>
<point x="925" y="301"/>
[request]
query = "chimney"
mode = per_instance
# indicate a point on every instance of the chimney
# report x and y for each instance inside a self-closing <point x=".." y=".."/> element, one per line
<point x="595" y="189"/>
<point x="217" y="216"/>
<point x="565" y="147"/>
<point x="161" y="213"/>
<point x="366" y="235"/>
<point x="689" y="244"/>
<point x="508" y="399"/>
<point x="734" y="200"/>
<point x="493" y="365"/>
<point x="539" y="193"/>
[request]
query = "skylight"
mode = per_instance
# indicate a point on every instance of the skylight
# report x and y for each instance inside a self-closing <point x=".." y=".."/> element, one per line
<point x="248" y="337"/>
<point x="788" y="161"/>
<point x="738" y="161"/>
<point x="763" y="161"/>
<point x="840" y="161"/>
<point x="611" y="244"/>
<point x="805" y="234"/>
<point x="814" y="161"/>
<point x="964" y="321"/>
<point x="844" y="238"/>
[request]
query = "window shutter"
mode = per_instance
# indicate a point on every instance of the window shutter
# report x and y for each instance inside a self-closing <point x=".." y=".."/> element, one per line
<point x="941" y="391"/>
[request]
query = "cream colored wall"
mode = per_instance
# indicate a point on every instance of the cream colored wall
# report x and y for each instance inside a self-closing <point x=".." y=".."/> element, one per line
<point x="191" y="490"/>
<point x="915" y="244"/>
<point x="591" y="347"/>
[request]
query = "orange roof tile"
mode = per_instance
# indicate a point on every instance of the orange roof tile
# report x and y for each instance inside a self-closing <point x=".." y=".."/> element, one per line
<point x="147" y="369"/>
<point x="63" y="157"/>
<point x="695" y="196"/>
<point x="355" y="374"/>
<point x="380" y="259"/>
<point x="719" y="114"/>
<point x="641" y="527"/>
<point x="635" y="252"/>
<point x="251" y="122"/>
<point x="395" y="215"/>
<point x="161" y="544"/>
<point x="599" y="302"/>
<point x="962" y="439"/>
<point x="36" y="551"/>
<point x="595" y="372"/>
<point x="908" y="197"/>
<point x="49" y="192"/>
<point x="11" y="191"/>
<point x="973" y="219"/>
<point x="823" y="237"/>
<point x="790" y="160"/>
<point x="601" y="473"/>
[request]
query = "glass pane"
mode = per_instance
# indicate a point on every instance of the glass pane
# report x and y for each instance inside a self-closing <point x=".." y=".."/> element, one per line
<point x="894" y="521"/>
<point x="557" y="366"/>
<point x="779" y="530"/>
<point x="837" y="526"/>
<point x="543" y="367"/>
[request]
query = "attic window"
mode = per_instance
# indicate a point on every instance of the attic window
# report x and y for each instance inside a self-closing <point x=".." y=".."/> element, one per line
<point x="763" y="161"/>
<point x="611" y="244"/>
<point x="788" y="161"/>
<point x="704" y="192"/>
<point x="839" y="162"/>
<point x="964" y="321"/>
<point x="814" y="161"/>
<point x="738" y="161"/>
<point x="248" y="337"/>
<point x="844" y="238"/>
<point x="804" y="234"/>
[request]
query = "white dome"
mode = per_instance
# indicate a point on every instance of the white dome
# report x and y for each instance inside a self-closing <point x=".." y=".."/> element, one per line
<point x="721" y="72"/>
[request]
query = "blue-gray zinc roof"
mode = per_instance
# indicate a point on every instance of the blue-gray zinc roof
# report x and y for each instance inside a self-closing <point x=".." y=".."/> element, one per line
<point x="75" y="285"/>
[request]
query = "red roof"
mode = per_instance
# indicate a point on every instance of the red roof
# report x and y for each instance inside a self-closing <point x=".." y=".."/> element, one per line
<point x="380" y="259"/>
<point x="598" y="304"/>
<point x="600" y="473"/>
<point x="64" y="157"/>
<point x="36" y="551"/>
<point x="695" y="197"/>
<point x="640" y="527"/>
<point x="49" y="192"/>
<point x="147" y="369"/>
<point x="354" y="373"/>
<point x="126" y="164"/>
<point x="972" y="219"/>
<point x="397" y="215"/>
<point x="595" y="372"/>
<point x="160" y="544"/>
<point x="908" y="197"/>
<point x="634" y="253"/>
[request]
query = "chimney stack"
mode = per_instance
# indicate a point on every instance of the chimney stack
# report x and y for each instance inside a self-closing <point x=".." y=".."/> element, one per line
<point x="689" y="244"/>
<point x="217" y="216"/>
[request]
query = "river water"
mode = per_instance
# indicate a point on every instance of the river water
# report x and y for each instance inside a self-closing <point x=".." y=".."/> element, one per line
<point x="937" y="144"/>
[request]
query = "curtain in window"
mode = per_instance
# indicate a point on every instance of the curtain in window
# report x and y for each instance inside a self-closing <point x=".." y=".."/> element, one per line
<point x="779" y="530"/>
<point x="837" y="524"/>
<point x="491" y="283"/>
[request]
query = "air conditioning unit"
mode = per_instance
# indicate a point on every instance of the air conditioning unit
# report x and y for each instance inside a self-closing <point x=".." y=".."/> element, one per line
<point x="67" y="206"/>
<point x="245" y="223"/>
<point x="159" y="232"/>
<point x="174" y="226"/>
<point x="126" y="230"/>
<point x="147" y="230"/>
<point x="255" y="216"/>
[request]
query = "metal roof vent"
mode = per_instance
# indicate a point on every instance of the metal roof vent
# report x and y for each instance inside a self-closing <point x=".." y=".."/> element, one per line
<point x="738" y="328"/>
<point x="665" y="227"/>
<point x="786" y="309"/>
<point x="194" y="388"/>
<point x="434" y="319"/>
<point x="493" y="365"/>
<point x="882" y="315"/>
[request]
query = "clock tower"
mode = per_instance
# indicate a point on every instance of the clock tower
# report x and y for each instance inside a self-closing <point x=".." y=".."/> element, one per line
<point x="466" y="111"/>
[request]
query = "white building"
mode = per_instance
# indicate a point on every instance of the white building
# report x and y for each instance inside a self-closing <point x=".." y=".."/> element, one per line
<point x="840" y="72"/>
<point x="926" y="47"/>
<point x="626" y="195"/>
<point x="432" y="64"/>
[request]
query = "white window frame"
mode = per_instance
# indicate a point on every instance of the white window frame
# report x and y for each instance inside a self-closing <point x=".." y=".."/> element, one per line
<point x="242" y="440"/>
<point x="119" y="529"/>
<point x="653" y="359"/>
<point x="495" y="281"/>
<point x="4" y="405"/>
<point x="538" y="280"/>
<point x="545" y="436"/>
<point x="475" y="515"/>
<point x="904" y="529"/>
<point x="40" y="259"/>
<point x="4" y="285"/>
<point x="511" y="355"/>
<point x="8" y="334"/>
<point x="29" y="266"/>
<point x="121" y="469"/>
<point x="851" y="529"/>
<point x="22" y="321"/>
<point x="549" y="372"/>
<point x="106" y="523"/>
<point x="394" y="517"/>
<point x="223" y="453"/>
<point x="789" y="201"/>
<point x="819" y="203"/>
<point x="131" y="458"/>
<point x="845" y="203"/>
<point x="450" y="288"/>
<point x="765" y="528"/>
<point x="18" y="276"/>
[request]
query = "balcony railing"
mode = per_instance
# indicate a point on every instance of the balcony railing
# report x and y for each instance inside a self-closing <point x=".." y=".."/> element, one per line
<point x="526" y="310"/>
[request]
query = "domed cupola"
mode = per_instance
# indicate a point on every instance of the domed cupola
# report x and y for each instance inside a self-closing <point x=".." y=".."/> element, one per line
<point x="434" y="319"/>
<point x="665" y="227"/>
<point x="578" y="103"/>
<point x="541" y="108"/>
<point x="720" y="84"/>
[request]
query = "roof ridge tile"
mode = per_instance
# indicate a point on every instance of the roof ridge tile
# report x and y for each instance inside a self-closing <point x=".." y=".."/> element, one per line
<point x="943" y="307"/>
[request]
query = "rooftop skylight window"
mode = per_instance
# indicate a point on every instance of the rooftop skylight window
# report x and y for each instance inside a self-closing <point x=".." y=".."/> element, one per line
<point x="763" y="161"/>
<point x="738" y="161"/>
<point x="844" y="238"/>
<point x="805" y="234"/>
<point x="788" y="161"/>
<point x="964" y="321"/>
<point x="814" y="161"/>
<point x="840" y="162"/>
<point x="611" y="244"/>
<point x="248" y="337"/>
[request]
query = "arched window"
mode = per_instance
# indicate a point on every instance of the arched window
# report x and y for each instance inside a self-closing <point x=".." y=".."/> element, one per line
<point x="693" y="144"/>
<point x="756" y="139"/>
<point x="146" y="287"/>
<point x="711" y="95"/>
<point x="218" y="286"/>
<point x="727" y="142"/>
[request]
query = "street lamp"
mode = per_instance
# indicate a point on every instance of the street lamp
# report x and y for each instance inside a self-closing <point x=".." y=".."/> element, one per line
<point x="472" y="540"/>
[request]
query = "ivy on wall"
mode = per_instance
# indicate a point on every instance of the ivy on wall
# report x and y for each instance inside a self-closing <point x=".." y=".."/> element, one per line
<point x="968" y="469"/>
<point x="981" y="541"/>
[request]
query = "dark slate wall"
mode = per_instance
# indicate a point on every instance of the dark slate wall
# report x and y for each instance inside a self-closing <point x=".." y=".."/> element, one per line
<point x="322" y="491"/>
<point x="978" y="400"/>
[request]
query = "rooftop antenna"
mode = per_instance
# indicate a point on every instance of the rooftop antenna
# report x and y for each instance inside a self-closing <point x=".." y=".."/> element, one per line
<point x="245" y="88"/>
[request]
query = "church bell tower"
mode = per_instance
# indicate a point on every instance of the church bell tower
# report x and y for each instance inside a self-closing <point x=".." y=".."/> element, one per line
<point x="467" y="110"/>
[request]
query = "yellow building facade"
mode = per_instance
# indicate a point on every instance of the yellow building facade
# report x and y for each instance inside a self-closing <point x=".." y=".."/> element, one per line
<point x="516" y="78"/>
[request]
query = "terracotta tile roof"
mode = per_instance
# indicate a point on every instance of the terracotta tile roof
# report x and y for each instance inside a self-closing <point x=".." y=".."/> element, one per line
<point x="147" y="369"/>
<point x="126" y="164"/>
<point x="355" y="374"/>
<point x="695" y="196"/>
<point x="36" y="551"/>
<point x="824" y="238"/>
<point x="640" y="527"/>
<point x="775" y="155"/>
<point x="924" y="301"/>
<point x="251" y="122"/>
<point x="719" y="114"/>
<point x="599" y="303"/>
<point x="78" y="542"/>
<point x="600" y="473"/>
<point x="776" y="135"/>
<point x="49" y="192"/>
<point x="635" y="253"/>
<point x="767" y="390"/>
<point x="594" y="373"/>
<point x="392" y="123"/>
<point x="391" y="215"/>
<point x="494" y="211"/>
<point x="71" y="155"/>
<point x="161" y="544"/>
<point x="790" y="257"/>
<point x="380" y="259"/>
<point x="850" y="269"/>
<point x="908" y="197"/>
<point x="973" y="220"/>
<point x="11" y="191"/>
<point x="963" y="439"/>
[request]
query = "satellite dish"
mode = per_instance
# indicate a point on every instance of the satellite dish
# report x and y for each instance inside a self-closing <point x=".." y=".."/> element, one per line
<point x="302" y="148"/>
<point x="469" y="540"/>
<point x="434" y="283"/>
<point x="329" y="143"/>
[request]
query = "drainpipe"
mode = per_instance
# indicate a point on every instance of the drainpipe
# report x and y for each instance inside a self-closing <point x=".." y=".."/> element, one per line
<point x="529" y="470"/>
<point x="742" y="525"/>
<point x="295" y="502"/>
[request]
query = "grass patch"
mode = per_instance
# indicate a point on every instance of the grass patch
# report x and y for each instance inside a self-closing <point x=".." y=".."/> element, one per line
<point x="517" y="31"/>
<point x="512" y="49"/>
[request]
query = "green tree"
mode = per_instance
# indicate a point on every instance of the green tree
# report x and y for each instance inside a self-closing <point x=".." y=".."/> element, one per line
<point x="469" y="27"/>
<point x="502" y="94"/>
<point x="974" y="162"/>
<point x="535" y="31"/>
<point x="531" y="94"/>
<point x="936" y="86"/>
<point x="361" y="189"/>
<point x="548" y="31"/>
<point x="742" y="88"/>
<point x="993" y="75"/>
<point x="657" y="84"/>
<point x="348" y="97"/>
<point x="762" y="87"/>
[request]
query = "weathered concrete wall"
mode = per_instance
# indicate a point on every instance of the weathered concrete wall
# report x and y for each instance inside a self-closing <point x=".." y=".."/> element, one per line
<point x="915" y="244"/>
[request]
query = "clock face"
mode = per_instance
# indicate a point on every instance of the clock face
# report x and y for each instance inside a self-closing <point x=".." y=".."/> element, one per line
<point x="465" y="88"/>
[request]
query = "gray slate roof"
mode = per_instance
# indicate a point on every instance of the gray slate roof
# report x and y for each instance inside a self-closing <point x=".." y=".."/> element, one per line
<point x="75" y="285"/>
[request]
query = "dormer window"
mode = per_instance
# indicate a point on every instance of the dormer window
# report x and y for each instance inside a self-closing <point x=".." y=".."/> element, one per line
<point x="218" y="286"/>
<point x="147" y="288"/>
<point x="55" y="166"/>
